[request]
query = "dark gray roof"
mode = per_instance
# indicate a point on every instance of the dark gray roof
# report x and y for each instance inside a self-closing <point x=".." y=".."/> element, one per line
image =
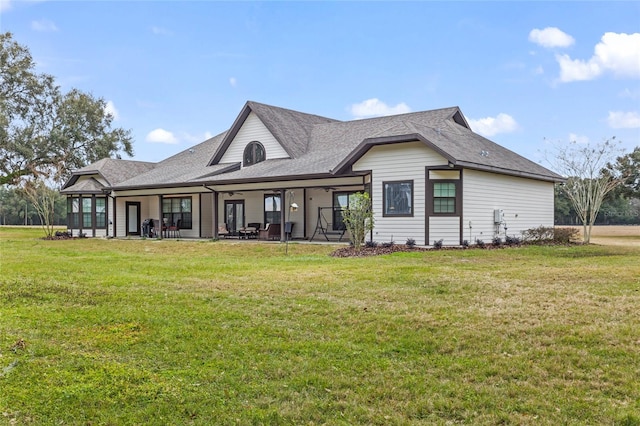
<point x="291" y="128"/>
<point x="184" y="167"/>
<point x="86" y="186"/>
<point x="323" y="147"/>
<point x="112" y="170"/>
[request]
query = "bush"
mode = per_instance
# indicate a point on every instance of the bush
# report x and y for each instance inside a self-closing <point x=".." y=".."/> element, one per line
<point x="389" y="244"/>
<point x="438" y="244"/>
<point x="546" y="234"/>
<point x="410" y="242"/>
<point x="465" y="243"/>
<point x="565" y="235"/>
<point x="539" y="234"/>
<point x="512" y="241"/>
<point x="480" y="243"/>
<point x="371" y="244"/>
<point x="497" y="241"/>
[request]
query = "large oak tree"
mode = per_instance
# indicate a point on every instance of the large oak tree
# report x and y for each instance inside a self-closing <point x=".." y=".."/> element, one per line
<point x="45" y="133"/>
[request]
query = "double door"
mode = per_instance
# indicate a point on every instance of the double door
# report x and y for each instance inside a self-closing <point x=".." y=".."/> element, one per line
<point x="234" y="215"/>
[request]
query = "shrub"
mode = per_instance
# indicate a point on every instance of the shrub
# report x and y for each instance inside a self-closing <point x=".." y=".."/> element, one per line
<point x="358" y="218"/>
<point x="371" y="244"/>
<point x="480" y="243"/>
<point x="438" y="244"/>
<point x="496" y="242"/>
<point x="539" y="234"/>
<point x="565" y="235"/>
<point x="389" y="244"/>
<point x="512" y="241"/>
<point x="546" y="234"/>
<point x="465" y="243"/>
<point x="410" y="242"/>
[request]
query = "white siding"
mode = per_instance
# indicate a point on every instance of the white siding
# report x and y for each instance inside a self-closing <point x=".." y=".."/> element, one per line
<point x="526" y="203"/>
<point x="405" y="161"/>
<point x="445" y="228"/>
<point x="253" y="130"/>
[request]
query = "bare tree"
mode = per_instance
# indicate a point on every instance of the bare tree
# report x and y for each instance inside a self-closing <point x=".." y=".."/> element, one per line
<point x="43" y="199"/>
<point x="587" y="180"/>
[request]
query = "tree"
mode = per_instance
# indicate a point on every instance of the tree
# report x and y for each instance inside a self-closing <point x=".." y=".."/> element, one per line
<point x="43" y="200"/>
<point x="44" y="133"/>
<point x="587" y="180"/>
<point x="358" y="218"/>
<point x="627" y="168"/>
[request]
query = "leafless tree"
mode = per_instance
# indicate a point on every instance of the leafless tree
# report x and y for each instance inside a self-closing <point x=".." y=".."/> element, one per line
<point x="588" y="182"/>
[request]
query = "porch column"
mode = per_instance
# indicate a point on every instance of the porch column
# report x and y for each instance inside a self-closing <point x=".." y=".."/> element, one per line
<point x="115" y="215"/>
<point x="215" y="215"/>
<point x="160" y="222"/>
<point x="284" y="207"/>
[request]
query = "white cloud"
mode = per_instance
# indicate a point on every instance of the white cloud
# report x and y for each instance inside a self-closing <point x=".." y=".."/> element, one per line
<point x="197" y="138"/>
<point x="628" y="93"/>
<point x="233" y="81"/>
<point x="616" y="53"/>
<point x="624" y="120"/>
<point x="161" y="31"/>
<point x="489" y="126"/>
<point x="577" y="70"/>
<point x="161" y="136"/>
<point x="43" y="25"/>
<point x="578" y="139"/>
<point x="551" y="37"/>
<point x="5" y="5"/>
<point x="110" y="108"/>
<point x="376" y="108"/>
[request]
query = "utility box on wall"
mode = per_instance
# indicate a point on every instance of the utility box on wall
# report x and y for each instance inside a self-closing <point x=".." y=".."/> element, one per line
<point x="498" y="214"/>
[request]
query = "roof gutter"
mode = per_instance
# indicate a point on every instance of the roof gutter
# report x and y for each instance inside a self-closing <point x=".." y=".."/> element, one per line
<point x="510" y="172"/>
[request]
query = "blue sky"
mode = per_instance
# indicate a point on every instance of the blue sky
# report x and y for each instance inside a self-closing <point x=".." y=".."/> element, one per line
<point x="528" y="75"/>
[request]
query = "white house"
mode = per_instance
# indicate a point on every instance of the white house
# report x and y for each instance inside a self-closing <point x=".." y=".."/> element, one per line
<point x="429" y="176"/>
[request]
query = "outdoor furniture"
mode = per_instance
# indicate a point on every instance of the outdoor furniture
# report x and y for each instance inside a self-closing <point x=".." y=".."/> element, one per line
<point x="270" y="232"/>
<point x="248" y="232"/>
<point x="174" y="230"/>
<point x="223" y="231"/>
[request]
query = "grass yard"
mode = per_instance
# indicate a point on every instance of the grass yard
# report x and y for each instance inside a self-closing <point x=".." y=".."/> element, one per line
<point x="122" y="332"/>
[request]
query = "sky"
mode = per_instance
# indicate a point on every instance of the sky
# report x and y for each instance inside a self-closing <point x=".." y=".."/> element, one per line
<point x="531" y="76"/>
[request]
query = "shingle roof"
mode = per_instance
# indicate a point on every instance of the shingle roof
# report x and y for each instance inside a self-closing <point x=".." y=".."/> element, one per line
<point x="86" y="186"/>
<point x="183" y="167"/>
<point x="112" y="170"/>
<point x="320" y="146"/>
<point x="291" y="128"/>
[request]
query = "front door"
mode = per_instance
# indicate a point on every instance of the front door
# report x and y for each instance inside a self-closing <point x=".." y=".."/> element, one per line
<point x="234" y="215"/>
<point x="133" y="218"/>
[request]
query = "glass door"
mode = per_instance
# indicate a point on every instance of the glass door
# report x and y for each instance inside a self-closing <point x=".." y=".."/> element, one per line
<point x="133" y="218"/>
<point x="234" y="215"/>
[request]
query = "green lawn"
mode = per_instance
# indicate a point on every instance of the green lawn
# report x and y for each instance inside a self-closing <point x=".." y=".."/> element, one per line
<point x="200" y="332"/>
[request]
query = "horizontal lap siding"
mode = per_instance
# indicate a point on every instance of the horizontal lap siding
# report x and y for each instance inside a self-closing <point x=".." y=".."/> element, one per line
<point x="398" y="162"/>
<point x="253" y="130"/>
<point x="527" y="203"/>
<point x="446" y="229"/>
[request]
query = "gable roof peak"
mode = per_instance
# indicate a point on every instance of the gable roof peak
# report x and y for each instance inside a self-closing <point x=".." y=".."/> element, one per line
<point x="292" y="129"/>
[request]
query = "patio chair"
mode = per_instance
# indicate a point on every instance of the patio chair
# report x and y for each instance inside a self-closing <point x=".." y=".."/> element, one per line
<point x="223" y="232"/>
<point x="174" y="230"/>
<point x="271" y="231"/>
